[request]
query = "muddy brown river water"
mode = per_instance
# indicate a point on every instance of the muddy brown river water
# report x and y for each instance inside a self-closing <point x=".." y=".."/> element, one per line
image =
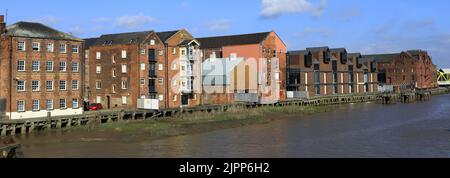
<point x="355" y="130"/>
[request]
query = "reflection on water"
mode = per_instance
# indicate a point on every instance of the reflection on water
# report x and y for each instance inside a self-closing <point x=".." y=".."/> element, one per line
<point x="356" y="130"/>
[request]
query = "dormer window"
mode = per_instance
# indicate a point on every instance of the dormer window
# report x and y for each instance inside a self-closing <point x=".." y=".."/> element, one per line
<point x="358" y="64"/>
<point x="344" y="58"/>
<point x="308" y="60"/>
<point x="326" y="57"/>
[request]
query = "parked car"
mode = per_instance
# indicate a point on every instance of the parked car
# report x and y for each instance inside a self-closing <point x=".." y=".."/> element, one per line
<point x="95" y="107"/>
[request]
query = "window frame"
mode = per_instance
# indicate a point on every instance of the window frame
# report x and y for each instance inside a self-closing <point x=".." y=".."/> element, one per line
<point x="38" y="87"/>
<point x="52" y="85"/>
<point x="23" y="86"/>
<point x="61" y="86"/>
<point x="65" y="66"/>
<point x="63" y="48"/>
<point x="52" y="49"/>
<point x="52" y="66"/>
<point x="22" y="47"/>
<point x="38" y="66"/>
<point x="60" y="103"/>
<point x="75" y="83"/>
<point x="19" y="66"/>
<point x="38" y="48"/>
<point x="21" y="108"/>
<point x="33" y="105"/>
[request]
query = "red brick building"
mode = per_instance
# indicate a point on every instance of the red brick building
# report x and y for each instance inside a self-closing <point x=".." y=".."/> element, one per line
<point x="408" y="70"/>
<point x="41" y="71"/>
<point x="322" y="71"/>
<point x="262" y="80"/>
<point x="143" y="65"/>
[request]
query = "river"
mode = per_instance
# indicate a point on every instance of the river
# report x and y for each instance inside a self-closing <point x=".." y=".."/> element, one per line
<point x="356" y="130"/>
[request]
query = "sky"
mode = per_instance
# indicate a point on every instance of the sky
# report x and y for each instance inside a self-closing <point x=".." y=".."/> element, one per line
<point x="366" y="26"/>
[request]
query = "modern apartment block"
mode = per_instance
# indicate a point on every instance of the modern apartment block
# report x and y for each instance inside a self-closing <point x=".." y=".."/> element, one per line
<point x="41" y="71"/>
<point x="144" y="65"/>
<point x="407" y="70"/>
<point x="321" y="71"/>
<point x="264" y="54"/>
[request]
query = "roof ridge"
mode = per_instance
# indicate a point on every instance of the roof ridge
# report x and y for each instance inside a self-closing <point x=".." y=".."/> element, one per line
<point x="235" y="35"/>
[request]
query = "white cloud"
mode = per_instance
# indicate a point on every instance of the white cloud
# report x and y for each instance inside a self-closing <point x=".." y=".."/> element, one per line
<point x="78" y="31"/>
<point x="134" y="21"/>
<point x="426" y="24"/>
<point x="48" y="20"/>
<point x="101" y="19"/>
<point x="219" y="25"/>
<point x="275" y="8"/>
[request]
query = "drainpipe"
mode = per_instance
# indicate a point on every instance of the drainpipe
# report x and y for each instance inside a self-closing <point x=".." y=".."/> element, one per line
<point x="10" y="77"/>
<point x="166" y="88"/>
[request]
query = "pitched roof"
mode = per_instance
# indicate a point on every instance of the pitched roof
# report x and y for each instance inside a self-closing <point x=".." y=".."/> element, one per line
<point x="337" y="50"/>
<point x="37" y="30"/>
<point x="164" y="36"/>
<point x="123" y="38"/>
<point x="298" y="52"/>
<point x="317" y="49"/>
<point x="220" y="41"/>
<point x="382" y="58"/>
<point x="354" y="55"/>
<point x="88" y="42"/>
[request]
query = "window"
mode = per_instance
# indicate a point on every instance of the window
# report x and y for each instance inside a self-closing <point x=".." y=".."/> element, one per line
<point x="74" y="84"/>
<point x="99" y="99"/>
<point x="124" y="99"/>
<point x="49" y="85"/>
<point x="62" y="48"/>
<point x="114" y="89"/>
<point x="124" y="54"/>
<point x="113" y="59"/>
<point x="21" y="85"/>
<point x="174" y="50"/>
<point x="183" y="52"/>
<point x="142" y="81"/>
<point x="36" y="46"/>
<point x="174" y="98"/>
<point x="50" y="47"/>
<point x="99" y="69"/>
<point x="74" y="48"/>
<point x="21" y="106"/>
<point x="124" y="84"/>
<point x="49" y="104"/>
<point x="21" y="46"/>
<point x="114" y="73"/>
<point x="161" y="97"/>
<point x="75" y="103"/>
<point x="98" y="55"/>
<point x="143" y="66"/>
<point x="36" y="66"/>
<point x="62" y="66"/>
<point x="142" y="51"/>
<point x="160" y="67"/>
<point x="49" y="66"/>
<point x="98" y="85"/>
<point x="21" y="66"/>
<point x="62" y="104"/>
<point x="124" y="68"/>
<point x="75" y="67"/>
<point x="161" y="52"/>
<point x="174" y="66"/>
<point x="161" y="81"/>
<point x="152" y="42"/>
<point x="35" y="105"/>
<point x="35" y="85"/>
<point x="62" y="85"/>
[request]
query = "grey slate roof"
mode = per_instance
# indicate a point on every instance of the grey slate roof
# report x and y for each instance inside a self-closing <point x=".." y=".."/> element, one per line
<point x="37" y="30"/>
<point x="164" y="36"/>
<point x="337" y="50"/>
<point x="381" y="58"/>
<point x="317" y="49"/>
<point x="123" y="38"/>
<point x="220" y="41"/>
<point x="354" y="55"/>
<point x="299" y="52"/>
<point x="88" y="42"/>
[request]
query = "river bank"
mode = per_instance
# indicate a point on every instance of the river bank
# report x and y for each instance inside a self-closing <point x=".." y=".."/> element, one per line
<point x="199" y="122"/>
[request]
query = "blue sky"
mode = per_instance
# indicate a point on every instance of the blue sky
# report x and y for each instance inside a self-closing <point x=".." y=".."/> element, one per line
<point x="367" y="26"/>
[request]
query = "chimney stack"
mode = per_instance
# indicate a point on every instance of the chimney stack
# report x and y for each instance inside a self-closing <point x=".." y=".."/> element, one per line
<point x="2" y="24"/>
